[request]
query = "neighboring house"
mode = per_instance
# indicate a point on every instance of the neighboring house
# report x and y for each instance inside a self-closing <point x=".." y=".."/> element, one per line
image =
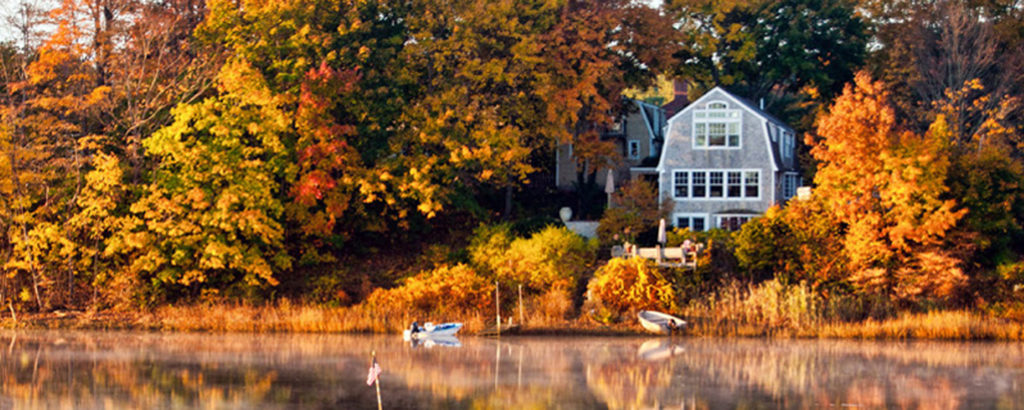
<point x="725" y="161"/>
<point x="639" y="137"/>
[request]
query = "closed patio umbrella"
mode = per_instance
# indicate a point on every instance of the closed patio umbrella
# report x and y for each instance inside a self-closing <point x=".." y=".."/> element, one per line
<point x="662" y="237"/>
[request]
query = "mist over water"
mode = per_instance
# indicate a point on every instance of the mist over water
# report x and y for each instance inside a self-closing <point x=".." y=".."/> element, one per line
<point x="271" y="371"/>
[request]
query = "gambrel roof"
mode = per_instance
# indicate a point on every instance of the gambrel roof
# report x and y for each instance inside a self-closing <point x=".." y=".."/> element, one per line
<point x="773" y="146"/>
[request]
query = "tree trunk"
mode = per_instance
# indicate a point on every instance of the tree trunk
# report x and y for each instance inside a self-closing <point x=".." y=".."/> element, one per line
<point x="507" y="216"/>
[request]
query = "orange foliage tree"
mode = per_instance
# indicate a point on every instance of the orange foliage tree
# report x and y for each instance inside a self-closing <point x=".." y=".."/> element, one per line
<point x="633" y="283"/>
<point x="886" y="186"/>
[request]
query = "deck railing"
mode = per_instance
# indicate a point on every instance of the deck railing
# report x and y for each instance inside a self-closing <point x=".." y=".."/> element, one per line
<point x="675" y="256"/>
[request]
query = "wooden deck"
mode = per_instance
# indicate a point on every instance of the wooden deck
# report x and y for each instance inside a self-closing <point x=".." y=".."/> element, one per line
<point x="676" y="257"/>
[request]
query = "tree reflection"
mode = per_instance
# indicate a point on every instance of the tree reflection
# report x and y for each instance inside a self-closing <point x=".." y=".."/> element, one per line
<point x="139" y="370"/>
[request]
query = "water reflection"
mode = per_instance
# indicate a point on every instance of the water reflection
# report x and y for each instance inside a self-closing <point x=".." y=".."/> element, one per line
<point x="429" y="342"/>
<point x="142" y="370"/>
<point x="659" y="349"/>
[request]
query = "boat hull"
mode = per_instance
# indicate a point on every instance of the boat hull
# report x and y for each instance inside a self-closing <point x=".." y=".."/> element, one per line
<point x="660" y="323"/>
<point x="431" y="330"/>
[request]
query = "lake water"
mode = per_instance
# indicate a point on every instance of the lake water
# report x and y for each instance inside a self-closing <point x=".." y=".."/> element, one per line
<point x="178" y="370"/>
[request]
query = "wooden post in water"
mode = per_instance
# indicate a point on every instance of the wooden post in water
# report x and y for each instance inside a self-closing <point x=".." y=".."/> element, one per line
<point x="497" y="308"/>
<point x="522" y="321"/>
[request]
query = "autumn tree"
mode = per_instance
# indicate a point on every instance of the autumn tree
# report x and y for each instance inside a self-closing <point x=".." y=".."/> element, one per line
<point x="479" y="62"/>
<point x="886" y="186"/>
<point x="50" y="113"/>
<point x="796" y="54"/>
<point x="636" y="210"/>
<point x="594" y="52"/>
<point x="958" y="58"/>
<point x="211" y="219"/>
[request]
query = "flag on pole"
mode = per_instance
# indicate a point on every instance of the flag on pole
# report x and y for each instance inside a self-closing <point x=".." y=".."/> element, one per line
<point x="371" y="378"/>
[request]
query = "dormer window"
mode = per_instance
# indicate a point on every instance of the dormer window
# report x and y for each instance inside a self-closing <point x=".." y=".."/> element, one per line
<point x="788" y="143"/>
<point x="716" y="126"/>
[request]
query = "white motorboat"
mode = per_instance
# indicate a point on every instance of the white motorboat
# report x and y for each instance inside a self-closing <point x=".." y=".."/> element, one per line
<point x="430" y="330"/>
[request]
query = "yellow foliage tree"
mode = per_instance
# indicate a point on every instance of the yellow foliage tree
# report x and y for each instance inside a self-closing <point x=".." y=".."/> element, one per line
<point x="886" y="185"/>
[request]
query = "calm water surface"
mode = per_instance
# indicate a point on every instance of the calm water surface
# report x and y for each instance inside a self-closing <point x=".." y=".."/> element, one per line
<point x="177" y="370"/>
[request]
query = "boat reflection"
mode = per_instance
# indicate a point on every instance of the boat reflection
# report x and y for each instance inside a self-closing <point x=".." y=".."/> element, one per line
<point x="659" y="349"/>
<point x="431" y="341"/>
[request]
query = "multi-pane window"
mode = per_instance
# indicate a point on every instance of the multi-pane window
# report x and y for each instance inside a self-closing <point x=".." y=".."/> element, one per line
<point x="716" y="126"/>
<point x="750" y="181"/>
<point x="681" y="184"/>
<point x="790" y="181"/>
<point x="730" y="183"/>
<point x="716" y="187"/>
<point x="788" y="143"/>
<point x="735" y="184"/>
<point x="732" y="222"/>
<point x="700" y="188"/>
<point x="696" y="223"/>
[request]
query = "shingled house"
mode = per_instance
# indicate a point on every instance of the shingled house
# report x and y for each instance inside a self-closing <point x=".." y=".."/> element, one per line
<point x="725" y="161"/>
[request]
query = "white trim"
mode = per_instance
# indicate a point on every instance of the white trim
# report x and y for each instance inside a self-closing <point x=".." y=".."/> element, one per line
<point x="728" y="120"/>
<point x="725" y="184"/>
<point x="707" y="95"/>
<point x="768" y="145"/>
<point x="647" y="123"/>
<point x="690" y="215"/>
<point x="796" y="184"/>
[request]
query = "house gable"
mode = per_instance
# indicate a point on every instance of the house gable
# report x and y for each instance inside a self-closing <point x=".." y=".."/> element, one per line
<point x="719" y="93"/>
<point x="722" y="161"/>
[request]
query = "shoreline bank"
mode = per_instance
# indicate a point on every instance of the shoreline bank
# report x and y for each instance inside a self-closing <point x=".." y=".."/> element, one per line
<point x="939" y="325"/>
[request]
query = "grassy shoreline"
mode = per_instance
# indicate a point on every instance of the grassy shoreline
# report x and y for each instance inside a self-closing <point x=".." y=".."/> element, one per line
<point x="287" y="317"/>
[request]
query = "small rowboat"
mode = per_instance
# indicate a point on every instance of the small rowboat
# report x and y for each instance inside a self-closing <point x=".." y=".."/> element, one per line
<point x="430" y="330"/>
<point x="660" y="323"/>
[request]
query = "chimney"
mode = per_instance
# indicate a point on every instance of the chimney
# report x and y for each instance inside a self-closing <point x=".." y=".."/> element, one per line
<point x="682" y="88"/>
<point x="761" y="104"/>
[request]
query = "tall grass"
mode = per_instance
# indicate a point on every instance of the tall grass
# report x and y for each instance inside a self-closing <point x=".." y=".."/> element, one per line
<point x="945" y="325"/>
<point x="286" y="317"/>
<point x="766" y="309"/>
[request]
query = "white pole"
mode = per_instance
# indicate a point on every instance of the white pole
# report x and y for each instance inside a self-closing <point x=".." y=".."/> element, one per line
<point x="380" y="406"/>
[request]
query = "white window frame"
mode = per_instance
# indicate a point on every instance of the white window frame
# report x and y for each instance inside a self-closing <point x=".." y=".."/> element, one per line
<point x="632" y="153"/>
<point x="790" y="182"/>
<point x="717" y="112"/>
<point x="690" y="218"/>
<point x="703" y="177"/>
<point x="675" y="181"/>
<point x="787" y="143"/>
<point x="720" y="217"/>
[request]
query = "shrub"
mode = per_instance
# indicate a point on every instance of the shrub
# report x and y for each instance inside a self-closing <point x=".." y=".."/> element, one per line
<point x="797" y="243"/>
<point x="441" y="290"/>
<point x="488" y="245"/>
<point x="552" y="258"/>
<point x="766" y="246"/>
<point x="630" y="284"/>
